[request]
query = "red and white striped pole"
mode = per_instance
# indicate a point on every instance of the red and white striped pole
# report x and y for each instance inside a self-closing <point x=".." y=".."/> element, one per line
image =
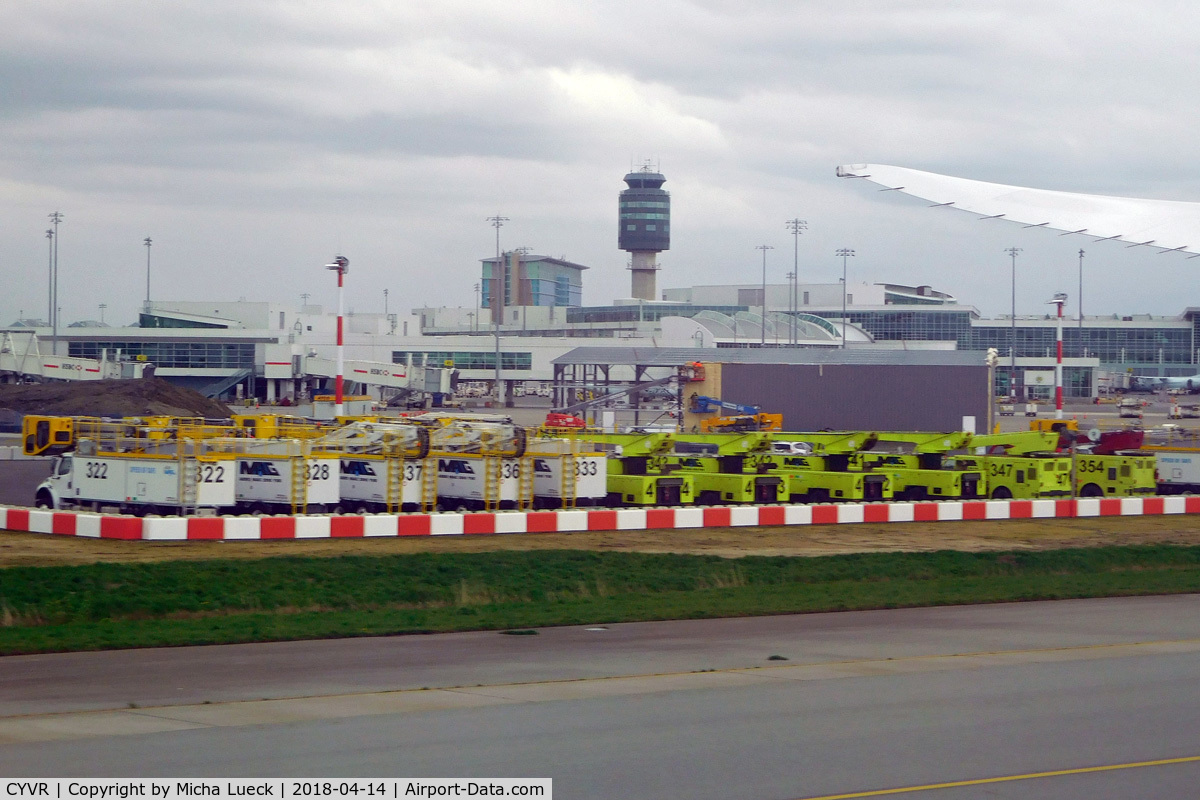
<point x="341" y="265"/>
<point x="1060" y="299"/>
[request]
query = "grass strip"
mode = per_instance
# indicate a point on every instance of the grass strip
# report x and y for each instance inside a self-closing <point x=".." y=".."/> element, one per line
<point x="105" y="606"/>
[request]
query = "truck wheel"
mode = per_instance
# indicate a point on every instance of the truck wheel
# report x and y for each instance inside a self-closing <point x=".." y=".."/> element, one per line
<point x="44" y="500"/>
<point x="1091" y="490"/>
<point x="1001" y="493"/>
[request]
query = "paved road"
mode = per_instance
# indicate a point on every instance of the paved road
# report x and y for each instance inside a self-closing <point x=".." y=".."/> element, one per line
<point x="866" y="701"/>
<point x="19" y="480"/>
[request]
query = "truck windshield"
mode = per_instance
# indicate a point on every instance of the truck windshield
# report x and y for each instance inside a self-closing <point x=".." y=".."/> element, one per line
<point x="64" y="465"/>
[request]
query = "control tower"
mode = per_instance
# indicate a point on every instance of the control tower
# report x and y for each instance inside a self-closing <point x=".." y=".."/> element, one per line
<point x="645" y="227"/>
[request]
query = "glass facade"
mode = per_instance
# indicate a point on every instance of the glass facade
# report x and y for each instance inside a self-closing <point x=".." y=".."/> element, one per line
<point x="155" y="321"/>
<point x="546" y="282"/>
<point x="644" y="213"/>
<point x="642" y="313"/>
<point x="912" y="325"/>
<point x="1112" y="344"/>
<point x="464" y="360"/>
<point x="1125" y="345"/>
<point x="174" y="355"/>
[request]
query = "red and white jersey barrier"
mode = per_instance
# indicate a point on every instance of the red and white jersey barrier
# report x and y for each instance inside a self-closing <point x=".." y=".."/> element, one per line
<point x="112" y="526"/>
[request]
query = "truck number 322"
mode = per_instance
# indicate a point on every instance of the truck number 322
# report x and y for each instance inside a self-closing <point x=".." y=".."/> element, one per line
<point x="212" y="473"/>
<point x="97" y="470"/>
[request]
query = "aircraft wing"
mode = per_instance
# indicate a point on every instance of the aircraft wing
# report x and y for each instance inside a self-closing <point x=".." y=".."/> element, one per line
<point x="1170" y="225"/>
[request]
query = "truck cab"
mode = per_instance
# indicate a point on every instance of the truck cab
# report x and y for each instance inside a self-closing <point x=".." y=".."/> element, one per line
<point x="50" y="492"/>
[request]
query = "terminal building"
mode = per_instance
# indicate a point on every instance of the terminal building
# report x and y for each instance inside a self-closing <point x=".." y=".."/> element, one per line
<point x="528" y="313"/>
<point x="256" y="349"/>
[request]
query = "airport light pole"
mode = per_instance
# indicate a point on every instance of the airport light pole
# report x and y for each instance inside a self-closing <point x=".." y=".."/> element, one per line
<point x="845" y="253"/>
<point x="497" y="295"/>
<point x="147" y="241"/>
<point x="792" y="310"/>
<point x="50" y="276"/>
<point x="1060" y="299"/>
<point x="763" y="325"/>
<point x="1081" y="352"/>
<point x="797" y="226"/>
<point x="341" y="265"/>
<point x="1012" y="346"/>
<point x="55" y="218"/>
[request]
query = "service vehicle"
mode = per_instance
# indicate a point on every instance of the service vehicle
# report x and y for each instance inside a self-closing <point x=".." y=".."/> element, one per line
<point x="480" y="460"/>
<point x="568" y="479"/>
<point x="1115" y="475"/>
<point x="924" y="476"/>
<point x="383" y="466"/>
<point x="823" y="479"/>
<point x="744" y="417"/>
<point x="285" y="476"/>
<point x="173" y="478"/>
<point x="917" y="467"/>
<point x="1178" y="471"/>
<point x="632" y="475"/>
<point x="1129" y="408"/>
<point x="721" y="480"/>
<point x="1022" y="477"/>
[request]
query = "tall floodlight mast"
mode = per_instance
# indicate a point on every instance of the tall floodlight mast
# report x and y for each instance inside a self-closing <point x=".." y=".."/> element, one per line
<point x="50" y="276"/>
<point x="497" y="299"/>
<point x="147" y="242"/>
<point x="763" y="326"/>
<point x="341" y="265"/>
<point x="1081" y="353"/>
<point x="1012" y="344"/>
<point x="55" y="218"/>
<point x="797" y="226"/>
<point x="844" y="253"/>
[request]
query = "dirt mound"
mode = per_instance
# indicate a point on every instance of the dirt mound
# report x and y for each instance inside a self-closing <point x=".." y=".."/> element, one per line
<point x="115" y="398"/>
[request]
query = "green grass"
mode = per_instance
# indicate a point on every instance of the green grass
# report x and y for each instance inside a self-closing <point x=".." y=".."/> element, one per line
<point x="100" y="606"/>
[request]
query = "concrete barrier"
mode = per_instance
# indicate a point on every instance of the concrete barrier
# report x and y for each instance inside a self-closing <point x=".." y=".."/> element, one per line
<point x="352" y="526"/>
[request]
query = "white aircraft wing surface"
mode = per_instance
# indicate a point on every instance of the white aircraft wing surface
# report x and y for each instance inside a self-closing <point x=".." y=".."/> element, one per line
<point x="1171" y="225"/>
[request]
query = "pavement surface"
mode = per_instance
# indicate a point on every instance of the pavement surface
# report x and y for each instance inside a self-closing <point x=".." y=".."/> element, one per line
<point x="1100" y="692"/>
<point x="19" y="480"/>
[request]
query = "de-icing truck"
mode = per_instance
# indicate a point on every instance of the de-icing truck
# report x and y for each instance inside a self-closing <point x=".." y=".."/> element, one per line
<point x="177" y="477"/>
<point x="383" y="466"/>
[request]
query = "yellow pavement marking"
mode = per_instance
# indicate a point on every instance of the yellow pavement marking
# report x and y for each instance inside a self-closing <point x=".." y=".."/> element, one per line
<point x="1006" y="778"/>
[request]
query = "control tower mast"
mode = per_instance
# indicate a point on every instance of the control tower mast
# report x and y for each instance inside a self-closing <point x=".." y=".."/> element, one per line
<point x="645" y="227"/>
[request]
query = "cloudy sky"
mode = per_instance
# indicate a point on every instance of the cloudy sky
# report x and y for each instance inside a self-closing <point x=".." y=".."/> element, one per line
<point x="255" y="140"/>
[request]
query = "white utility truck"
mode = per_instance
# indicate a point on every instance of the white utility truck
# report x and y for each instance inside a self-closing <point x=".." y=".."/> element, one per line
<point x="1178" y="471"/>
<point x="145" y="483"/>
<point x="383" y="466"/>
<point x="285" y="477"/>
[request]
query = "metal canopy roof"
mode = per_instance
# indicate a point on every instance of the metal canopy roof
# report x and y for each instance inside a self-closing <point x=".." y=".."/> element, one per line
<point x="675" y="356"/>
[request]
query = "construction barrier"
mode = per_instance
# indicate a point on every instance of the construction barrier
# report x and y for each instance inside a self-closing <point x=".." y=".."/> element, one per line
<point x="113" y="526"/>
